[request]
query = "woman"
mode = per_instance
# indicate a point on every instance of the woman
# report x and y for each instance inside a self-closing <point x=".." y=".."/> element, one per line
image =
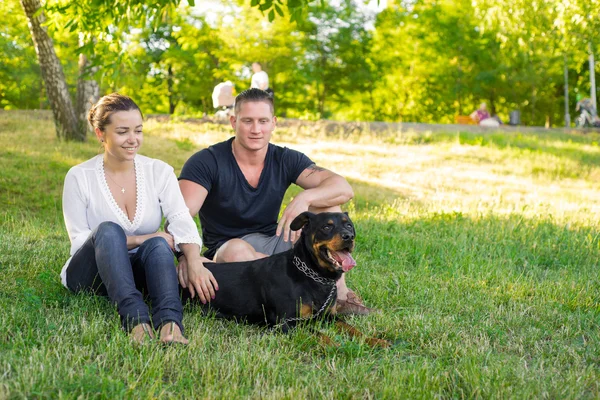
<point x="113" y="206"/>
<point x="483" y="118"/>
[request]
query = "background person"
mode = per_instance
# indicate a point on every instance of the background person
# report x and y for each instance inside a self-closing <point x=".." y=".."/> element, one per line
<point x="260" y="79"/>
<point x="483" y="118"/>
<point x="588" y="115"/>
<point x="222" y="97"/>
<point x="113" y="206"/>
<point x="237" y="187"/>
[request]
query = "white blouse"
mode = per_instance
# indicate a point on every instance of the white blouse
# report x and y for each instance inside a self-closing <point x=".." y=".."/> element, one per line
<point x="88" y="201"/>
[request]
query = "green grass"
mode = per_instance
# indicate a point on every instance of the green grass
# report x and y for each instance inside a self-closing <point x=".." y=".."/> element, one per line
<point x="480" y="249"/>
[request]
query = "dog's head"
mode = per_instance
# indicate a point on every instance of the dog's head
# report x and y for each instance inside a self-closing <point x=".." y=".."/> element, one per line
<point x="330" y="238"/>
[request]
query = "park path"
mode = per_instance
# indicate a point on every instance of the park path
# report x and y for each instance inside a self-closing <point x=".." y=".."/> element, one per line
<point x="349" y="128"/>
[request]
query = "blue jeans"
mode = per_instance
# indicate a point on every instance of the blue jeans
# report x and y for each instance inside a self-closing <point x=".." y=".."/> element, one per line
<point x="104" y="266"/>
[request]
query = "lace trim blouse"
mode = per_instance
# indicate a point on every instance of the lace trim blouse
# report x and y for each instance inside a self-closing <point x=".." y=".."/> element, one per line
<point x="88" y="201"/>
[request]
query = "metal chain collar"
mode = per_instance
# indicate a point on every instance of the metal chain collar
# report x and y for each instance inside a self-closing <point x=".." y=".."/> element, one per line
<point x="301" y="265"/>
<point x="317" y="278"/>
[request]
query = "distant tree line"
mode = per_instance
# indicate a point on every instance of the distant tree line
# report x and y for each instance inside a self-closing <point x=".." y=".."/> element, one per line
<point x="413" y="61"/>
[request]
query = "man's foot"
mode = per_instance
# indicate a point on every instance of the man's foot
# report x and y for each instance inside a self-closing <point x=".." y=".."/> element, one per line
<point x="170" y="334"/>
<point x="353" y="305"/>
<point x="141" y="333"/>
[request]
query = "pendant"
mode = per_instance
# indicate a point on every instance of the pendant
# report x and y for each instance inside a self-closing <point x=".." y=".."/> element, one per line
<point x="123" y="190"/>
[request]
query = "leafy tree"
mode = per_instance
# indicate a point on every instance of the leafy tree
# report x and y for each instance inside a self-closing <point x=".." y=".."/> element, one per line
<point x="335" y="62"/>
<point x="536" y="39"/>
<point x="20" y="82"/>
<point x="52" y="73"/>
<point x="417" y="60"/>
<point x="88" y="18"/>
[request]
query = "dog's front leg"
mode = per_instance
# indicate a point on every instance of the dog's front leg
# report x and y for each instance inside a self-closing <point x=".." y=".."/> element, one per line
<point x="353" y="332"/>
<point x="278" y="319"/>
<point x="285" y="327"/>
<point x="326" y="340"/>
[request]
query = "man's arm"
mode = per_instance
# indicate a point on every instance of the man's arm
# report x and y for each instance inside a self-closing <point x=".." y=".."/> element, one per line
<point x="322" y="189"/>
<point x="193" y="194"/>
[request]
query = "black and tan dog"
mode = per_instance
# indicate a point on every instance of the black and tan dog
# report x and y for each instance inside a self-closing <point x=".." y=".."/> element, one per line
<point x="293" y="286"/>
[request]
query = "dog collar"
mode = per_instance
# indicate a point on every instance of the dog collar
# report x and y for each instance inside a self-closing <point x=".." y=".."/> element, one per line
<point x="301" y="265"/>
<point x="314" y="276"/>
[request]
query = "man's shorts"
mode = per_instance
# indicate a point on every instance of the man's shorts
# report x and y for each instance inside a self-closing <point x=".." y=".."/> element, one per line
<point x="268" y="245"/>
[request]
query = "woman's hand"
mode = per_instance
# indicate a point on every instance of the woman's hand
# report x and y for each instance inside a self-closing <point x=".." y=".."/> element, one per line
<point x="136" y="241"/>
<point x="199" y="280"/>
<point x="182" y="269"/>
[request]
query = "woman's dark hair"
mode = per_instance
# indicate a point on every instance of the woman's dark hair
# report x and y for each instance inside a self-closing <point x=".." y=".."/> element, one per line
<point x="99" y="115"/>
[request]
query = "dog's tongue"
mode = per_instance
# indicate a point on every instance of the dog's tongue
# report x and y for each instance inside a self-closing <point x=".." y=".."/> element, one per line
<point x="345" y="258"/>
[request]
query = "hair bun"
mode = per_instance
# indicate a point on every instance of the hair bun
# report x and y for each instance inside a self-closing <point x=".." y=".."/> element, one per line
<point x="99" y="114"/>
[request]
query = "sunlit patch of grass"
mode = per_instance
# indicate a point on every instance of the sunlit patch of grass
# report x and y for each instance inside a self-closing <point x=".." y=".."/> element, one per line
<point x="185" y="144"/>
<point x="481" y="251"/>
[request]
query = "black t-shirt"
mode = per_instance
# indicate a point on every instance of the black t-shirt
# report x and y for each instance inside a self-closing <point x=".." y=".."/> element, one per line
<point x="233" y="208"/>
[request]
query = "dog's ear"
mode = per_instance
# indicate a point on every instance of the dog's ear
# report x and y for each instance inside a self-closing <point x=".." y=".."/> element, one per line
<point x="345" y="212"/>
<point x="301" y="220"/>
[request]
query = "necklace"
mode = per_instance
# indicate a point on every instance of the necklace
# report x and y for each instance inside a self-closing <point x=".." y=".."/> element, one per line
<point x="122" y="187"/>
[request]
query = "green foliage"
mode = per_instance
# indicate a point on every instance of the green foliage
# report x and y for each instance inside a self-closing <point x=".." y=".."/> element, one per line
<point x="414" y="61"/>
<point x="20" y="76"/>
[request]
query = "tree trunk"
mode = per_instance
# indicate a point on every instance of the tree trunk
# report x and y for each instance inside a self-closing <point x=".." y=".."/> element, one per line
<point x="459" y="89"/>
<point x="172" y="102"/>
<point x="492" y="103"/>
<point x="88" y="93"/>
<point x="65" y="119"/>
<point x="321" y="94"/>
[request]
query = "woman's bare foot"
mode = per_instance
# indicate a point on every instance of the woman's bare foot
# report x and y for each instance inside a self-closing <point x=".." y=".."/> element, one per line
<point x="170" y="333"/>
<point x="141" y="333"/>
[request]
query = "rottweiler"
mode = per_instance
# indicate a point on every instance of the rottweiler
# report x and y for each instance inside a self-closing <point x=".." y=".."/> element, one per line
<point x="297" y="285"/>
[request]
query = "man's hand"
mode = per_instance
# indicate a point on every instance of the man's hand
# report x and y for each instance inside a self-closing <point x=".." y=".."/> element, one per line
<point x="296" y="207"/>
<point x="182" y="271"/>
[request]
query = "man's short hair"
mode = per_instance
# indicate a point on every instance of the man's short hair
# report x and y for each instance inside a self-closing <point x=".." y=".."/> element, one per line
<point x="253" y="95"/>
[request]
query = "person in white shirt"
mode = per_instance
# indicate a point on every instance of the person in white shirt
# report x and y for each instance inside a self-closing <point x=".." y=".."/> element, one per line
<point x="113" y="206"/>
<point x="260" y="79"/>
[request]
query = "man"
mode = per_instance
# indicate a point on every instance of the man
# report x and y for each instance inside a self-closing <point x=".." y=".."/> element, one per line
<point x="260" y="79"/>
<point x="222" y="97"/>
<point x="237" y="187"/>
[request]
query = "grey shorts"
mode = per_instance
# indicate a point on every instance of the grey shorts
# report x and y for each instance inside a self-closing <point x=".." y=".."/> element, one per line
<point x="268" y="245"/>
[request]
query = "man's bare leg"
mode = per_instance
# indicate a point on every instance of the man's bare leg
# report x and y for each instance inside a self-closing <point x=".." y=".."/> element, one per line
<point x="236" y="250"/>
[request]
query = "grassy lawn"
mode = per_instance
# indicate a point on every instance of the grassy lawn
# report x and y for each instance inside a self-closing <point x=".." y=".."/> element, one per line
<point x="481" y="250"/>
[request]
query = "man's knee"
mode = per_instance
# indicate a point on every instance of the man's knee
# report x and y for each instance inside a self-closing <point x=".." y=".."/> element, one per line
<point x="236" y="250"/>
<point x="318" y="210"/>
